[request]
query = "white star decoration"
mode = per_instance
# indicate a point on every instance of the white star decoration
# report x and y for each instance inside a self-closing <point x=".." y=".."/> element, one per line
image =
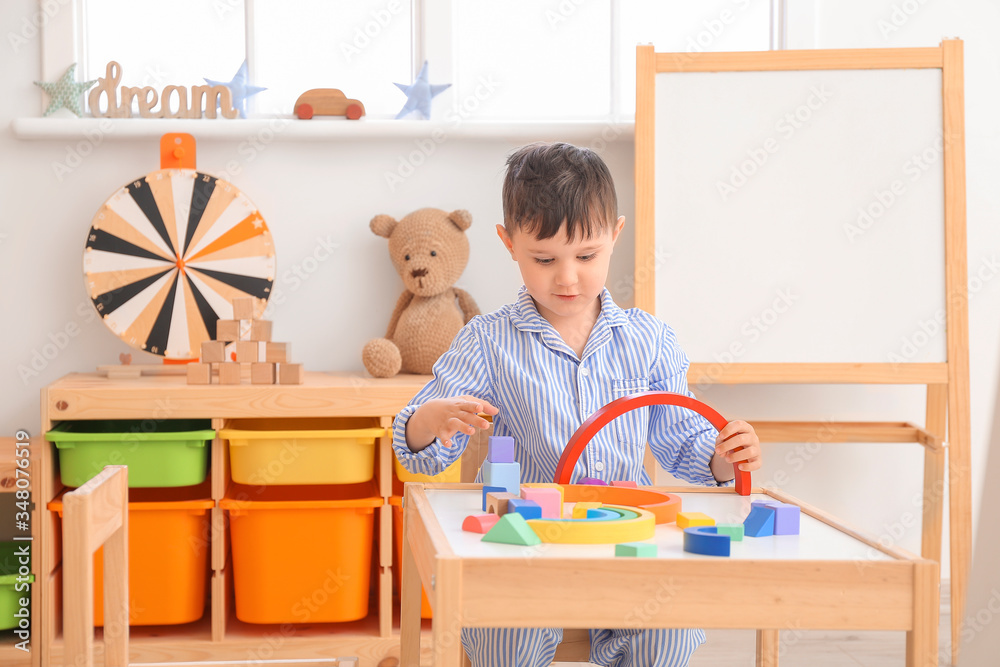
<point x="419" y="94"/>
<point x="65" y="92"/>
<point x="240" y="89"/>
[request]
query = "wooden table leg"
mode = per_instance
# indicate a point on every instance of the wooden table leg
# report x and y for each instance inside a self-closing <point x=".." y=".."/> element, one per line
<point x="448" y="651"/>
<point x="767" y="648"/>
<point x="922" y="640"/>
<point x="409" y="616"/>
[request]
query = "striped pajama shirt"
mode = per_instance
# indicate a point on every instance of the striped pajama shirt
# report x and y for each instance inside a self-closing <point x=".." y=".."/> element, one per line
<point x="516" y="360"/>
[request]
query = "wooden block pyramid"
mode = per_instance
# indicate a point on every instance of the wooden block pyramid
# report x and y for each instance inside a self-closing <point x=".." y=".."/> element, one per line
<point x="253" y="350"/>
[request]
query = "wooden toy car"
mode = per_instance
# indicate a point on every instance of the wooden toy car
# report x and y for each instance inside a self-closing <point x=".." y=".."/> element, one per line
<point x="327" y="102"/>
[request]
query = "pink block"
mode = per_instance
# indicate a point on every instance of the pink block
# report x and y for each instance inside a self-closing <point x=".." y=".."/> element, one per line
<point x="625" y="482"/>
<point x="550" y="500"/>
<point x="479" y="523"/>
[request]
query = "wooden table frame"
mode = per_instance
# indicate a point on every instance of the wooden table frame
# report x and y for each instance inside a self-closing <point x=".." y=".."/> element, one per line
<point x="762" y="594"/>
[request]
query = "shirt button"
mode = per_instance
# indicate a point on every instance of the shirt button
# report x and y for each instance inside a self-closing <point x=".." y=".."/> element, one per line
<point x="585" y="372"/>
<point x="599" y="466"/>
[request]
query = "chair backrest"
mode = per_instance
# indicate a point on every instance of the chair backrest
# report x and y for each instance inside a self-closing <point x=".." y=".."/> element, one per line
<point x="95" y="515"/>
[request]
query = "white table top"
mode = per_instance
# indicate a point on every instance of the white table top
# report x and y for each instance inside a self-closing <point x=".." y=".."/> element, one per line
<point x="816" y="541"/>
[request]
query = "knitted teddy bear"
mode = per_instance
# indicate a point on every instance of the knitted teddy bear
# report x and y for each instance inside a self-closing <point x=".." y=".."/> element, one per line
<point x="429" y="250"/>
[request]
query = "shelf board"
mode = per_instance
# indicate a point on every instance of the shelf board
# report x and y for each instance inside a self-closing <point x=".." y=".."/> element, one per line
<point x="288" y="128"/>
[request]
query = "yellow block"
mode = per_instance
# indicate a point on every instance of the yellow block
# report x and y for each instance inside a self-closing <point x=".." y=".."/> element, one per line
<point x="580" y="509"/>
<point x="596" y="532"/>
<point x="689" y="519"/>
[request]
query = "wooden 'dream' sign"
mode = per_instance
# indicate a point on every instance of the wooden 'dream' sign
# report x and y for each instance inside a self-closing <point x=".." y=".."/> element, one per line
<point x="202" y="99"/>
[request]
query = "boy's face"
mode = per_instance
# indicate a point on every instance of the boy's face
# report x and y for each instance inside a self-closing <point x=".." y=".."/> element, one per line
<point x="564" y="276"/>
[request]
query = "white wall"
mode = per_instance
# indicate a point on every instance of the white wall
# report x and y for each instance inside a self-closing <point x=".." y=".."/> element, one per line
<point x="330" y="190"/>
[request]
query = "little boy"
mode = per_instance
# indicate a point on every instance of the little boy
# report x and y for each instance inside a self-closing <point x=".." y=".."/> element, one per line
<point x="544" y="364"/>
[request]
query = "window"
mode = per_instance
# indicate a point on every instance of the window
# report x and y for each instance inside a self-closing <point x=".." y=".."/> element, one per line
<point x="506" y="59"/>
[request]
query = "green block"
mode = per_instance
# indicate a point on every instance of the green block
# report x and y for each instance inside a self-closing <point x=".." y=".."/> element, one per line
<point x="636" y="549"/>
<point x="733" y="530"/>
<point x="512" y="528"/>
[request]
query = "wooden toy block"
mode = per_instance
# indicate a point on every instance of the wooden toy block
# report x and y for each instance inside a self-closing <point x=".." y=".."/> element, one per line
<point x="243" y="308"/>
<point x="786" y="517"/>
<point x="246" y="326"/>
<point x="733" y="530"/>
<point x="550" y="500"/>
<point x="500" y="449"/>
<point x="593" y="481"/>
<point x="512" y="528"/>
<point x="706" y="541"/>
<point x="496" y="502"/>
<point x="636" y="550"/>
<point x="227" y="330"/>
<point x="276" y="353"/>
<point x="291" y="374"/>
<point x="491" y="489"/>
<point x="479" y="523"/>
<point x="213" y="351"/>
<point x="507" y="475"/>
<point x="262" y="373"/>
<point x="580" y="509"/>
<point x="199" y="373"/>
<point x="260" y="330"/>
<point x="760" y="522"/>
<point x="692" y="519"/>
<point x="249" y="351"/>
<point x="549" y="485"/>
<point x="626" y="483"/>
<point x="229" y="372"/>
<point x="529" y="509"/>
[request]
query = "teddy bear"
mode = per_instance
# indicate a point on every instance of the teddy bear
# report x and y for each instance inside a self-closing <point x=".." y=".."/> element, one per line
<point x="429" y="250"/>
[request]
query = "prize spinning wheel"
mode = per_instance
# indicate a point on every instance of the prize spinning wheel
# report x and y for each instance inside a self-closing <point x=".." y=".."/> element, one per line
<point x="168" y="252"/>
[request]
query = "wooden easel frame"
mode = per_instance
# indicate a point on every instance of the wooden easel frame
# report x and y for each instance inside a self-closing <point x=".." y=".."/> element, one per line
<point x="947" y="382"/>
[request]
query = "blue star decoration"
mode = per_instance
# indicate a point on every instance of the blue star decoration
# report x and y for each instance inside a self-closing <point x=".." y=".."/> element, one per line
<point x="239" y="88"/>
<point x="65" y="92"/>
<point x="419" y="94"/>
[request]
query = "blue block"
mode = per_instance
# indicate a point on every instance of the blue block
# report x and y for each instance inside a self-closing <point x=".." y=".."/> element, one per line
<point x="507" y="475"/>
<point x="500" y="449"/>
<point x="760" y="522"/>
<point x="491" y="489"/>
<point x="786" y="517"/>
<point x="529" y="509"/>
<point x="706" y="540"/>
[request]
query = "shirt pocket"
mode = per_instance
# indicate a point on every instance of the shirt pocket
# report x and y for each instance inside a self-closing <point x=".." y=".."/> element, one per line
<point x="632" y="428"/>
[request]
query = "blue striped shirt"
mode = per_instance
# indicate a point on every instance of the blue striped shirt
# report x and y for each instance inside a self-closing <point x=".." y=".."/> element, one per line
<point x="516" y="360"/>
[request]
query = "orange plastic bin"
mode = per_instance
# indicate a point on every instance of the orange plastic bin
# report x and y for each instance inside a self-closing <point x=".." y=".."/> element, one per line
<point x="397" y="525"/>
<point x="301" y="554"/>
<point x="168" y="540"/>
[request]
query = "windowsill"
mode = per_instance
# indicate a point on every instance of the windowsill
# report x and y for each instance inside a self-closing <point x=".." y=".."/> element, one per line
<point x="319" y="129"/>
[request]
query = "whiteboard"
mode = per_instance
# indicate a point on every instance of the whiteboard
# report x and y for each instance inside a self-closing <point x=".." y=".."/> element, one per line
<point x="799" y="215"/>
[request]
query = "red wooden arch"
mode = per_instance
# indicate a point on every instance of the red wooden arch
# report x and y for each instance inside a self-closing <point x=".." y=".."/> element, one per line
<point x="617" y="408"/>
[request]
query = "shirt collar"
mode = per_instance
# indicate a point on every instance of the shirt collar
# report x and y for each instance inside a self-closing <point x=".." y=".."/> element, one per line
<point x="525" y="316"/>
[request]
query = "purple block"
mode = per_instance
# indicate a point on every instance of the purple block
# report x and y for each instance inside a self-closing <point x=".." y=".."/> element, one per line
<point x="501" y="449"/>
<point x="593" y="481"/>
<point x="786" y="517"/>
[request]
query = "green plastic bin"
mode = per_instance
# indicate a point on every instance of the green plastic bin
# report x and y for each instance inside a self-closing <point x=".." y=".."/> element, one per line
<point x="157" y="453"/>
<point x="10" y="596"/>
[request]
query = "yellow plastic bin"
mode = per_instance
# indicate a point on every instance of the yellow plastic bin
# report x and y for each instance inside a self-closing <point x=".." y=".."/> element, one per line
<point x="397" y="570"/>
<point x="451" y="474"/>
<point x="301" y="554"/>
<point x="168" y="538"/>
<point x="263" y="452"/>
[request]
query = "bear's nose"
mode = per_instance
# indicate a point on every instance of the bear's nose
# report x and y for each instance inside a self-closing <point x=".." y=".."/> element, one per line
<point x="418" y="273"/>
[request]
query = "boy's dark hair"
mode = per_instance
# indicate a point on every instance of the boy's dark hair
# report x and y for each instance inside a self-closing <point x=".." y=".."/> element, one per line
<point x="547" y="185"/>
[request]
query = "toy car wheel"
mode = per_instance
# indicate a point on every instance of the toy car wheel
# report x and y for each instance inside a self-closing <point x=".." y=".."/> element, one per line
<point x="353" y="111"/>
<point x="304" y="111"/>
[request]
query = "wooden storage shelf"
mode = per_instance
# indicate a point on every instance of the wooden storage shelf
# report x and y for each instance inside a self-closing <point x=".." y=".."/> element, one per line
<point x="219" y="635"/>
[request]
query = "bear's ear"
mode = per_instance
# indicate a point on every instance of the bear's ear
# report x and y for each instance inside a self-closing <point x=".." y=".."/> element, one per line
<point x="461" y="218"/>
<point x="383" y="225"/>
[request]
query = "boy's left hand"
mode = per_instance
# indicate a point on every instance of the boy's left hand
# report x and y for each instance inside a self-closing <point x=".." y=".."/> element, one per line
<point x="738" y="434"/>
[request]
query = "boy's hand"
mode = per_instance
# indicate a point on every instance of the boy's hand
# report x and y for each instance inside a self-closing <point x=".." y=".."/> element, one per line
<point x="443" y="418"/>
<point x="738" y="434"/>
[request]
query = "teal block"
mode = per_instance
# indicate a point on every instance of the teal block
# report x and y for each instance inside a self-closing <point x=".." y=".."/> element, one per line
<point x="507" y="475"/>
<point x="636" y="550"/>
<point x="733" y="530"/>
